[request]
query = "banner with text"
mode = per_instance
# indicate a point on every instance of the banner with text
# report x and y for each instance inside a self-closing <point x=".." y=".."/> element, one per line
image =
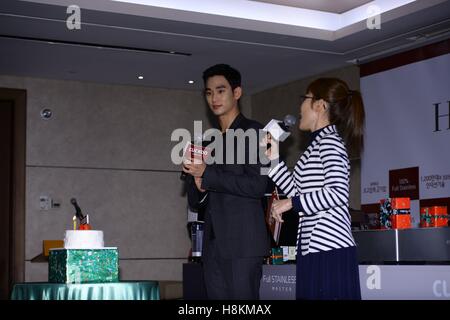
<point x="407" y="137"/>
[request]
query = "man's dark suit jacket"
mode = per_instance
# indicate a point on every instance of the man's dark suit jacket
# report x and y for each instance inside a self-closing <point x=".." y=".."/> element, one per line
<point x="234" y="214"/>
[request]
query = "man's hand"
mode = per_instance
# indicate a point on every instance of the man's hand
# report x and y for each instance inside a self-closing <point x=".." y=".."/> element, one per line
<point x="194" y="169"/>
<point x="198" y="183"/>
<point x="279" y="207"/>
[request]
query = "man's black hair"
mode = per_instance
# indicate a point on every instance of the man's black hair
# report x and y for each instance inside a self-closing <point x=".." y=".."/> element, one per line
<point x="232" y="75"/>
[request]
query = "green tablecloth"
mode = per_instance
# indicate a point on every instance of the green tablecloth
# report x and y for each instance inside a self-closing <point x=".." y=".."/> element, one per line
<point x="138" y="290"/>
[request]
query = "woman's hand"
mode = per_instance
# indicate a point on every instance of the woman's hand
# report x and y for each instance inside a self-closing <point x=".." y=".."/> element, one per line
<point x="279" y="207"/>
<point x="272" y="152"/>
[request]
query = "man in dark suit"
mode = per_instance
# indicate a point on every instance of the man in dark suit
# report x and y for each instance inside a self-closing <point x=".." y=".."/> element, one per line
<point x="236" y="238"/>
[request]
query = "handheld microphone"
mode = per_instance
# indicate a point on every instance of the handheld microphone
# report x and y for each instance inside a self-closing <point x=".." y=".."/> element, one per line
<point x="288" y="121"/>
<point x="279" y="130"/>
<point x="78" y="212"/>
<point x="190" y="151"/>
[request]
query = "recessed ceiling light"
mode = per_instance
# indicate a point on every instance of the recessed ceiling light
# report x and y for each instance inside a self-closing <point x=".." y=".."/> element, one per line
<point x="140" y="77"/>
<point x="172" y="52"/>
<point x="191" y="81"/>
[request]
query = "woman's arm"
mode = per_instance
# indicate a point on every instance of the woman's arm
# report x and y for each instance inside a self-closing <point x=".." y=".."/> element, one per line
<point x="284" y="179"/>
<point x="335" y="191"/>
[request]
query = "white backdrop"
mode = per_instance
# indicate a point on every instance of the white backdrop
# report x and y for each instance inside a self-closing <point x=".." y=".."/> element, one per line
<point x="400" y="128"/>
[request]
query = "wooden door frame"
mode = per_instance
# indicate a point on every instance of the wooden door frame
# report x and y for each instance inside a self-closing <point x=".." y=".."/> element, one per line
<point x="17" y="256"/>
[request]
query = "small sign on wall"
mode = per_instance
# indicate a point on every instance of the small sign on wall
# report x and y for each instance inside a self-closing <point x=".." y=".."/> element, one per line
<point x="404" y="183"/>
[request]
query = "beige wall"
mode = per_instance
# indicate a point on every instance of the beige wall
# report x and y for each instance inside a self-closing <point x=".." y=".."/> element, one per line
<point x="108" y="146"/>
<point x="275" y="103"/>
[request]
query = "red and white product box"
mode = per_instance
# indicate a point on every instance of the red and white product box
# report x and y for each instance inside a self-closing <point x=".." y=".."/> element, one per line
<point x="400" y="203"/>
<point x="395" y="213"/>
<point x="195" y="153"/>
<point x="435" y="216"/>
<point x="401" y="221"/>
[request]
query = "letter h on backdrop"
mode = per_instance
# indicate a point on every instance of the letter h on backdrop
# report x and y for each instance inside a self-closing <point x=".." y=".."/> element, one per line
<point x="437" y="116"/>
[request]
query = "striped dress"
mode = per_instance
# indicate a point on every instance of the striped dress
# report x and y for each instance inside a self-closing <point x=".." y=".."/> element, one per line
<point x="319" y="188"/>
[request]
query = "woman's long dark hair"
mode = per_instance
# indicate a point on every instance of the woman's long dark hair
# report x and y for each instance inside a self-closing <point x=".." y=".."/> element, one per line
<point x="346" y="109"/>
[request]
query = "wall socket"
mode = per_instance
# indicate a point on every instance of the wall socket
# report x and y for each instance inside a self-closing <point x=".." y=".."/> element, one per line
<point x="45" y="202"/>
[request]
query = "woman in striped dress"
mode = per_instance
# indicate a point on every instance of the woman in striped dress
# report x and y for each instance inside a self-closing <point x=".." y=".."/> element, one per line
<point x="318" y="189"/>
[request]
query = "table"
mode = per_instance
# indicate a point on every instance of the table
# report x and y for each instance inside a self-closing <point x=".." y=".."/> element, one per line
<point x="134" y="290"/>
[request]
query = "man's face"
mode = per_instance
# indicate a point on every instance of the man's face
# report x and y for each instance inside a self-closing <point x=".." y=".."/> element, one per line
<point x="220" y="97"/>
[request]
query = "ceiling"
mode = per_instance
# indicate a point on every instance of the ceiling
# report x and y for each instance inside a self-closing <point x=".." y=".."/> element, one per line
<point x="339" y="6"/>
<point x="270" y="42"/>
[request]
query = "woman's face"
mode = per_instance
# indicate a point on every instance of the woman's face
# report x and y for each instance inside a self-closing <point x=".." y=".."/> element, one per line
<point x="308" y="117"/>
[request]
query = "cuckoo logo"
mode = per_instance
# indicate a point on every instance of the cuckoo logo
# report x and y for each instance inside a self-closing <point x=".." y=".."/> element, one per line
<point x="198" y="151"/>
<point x="197" y="154"/>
